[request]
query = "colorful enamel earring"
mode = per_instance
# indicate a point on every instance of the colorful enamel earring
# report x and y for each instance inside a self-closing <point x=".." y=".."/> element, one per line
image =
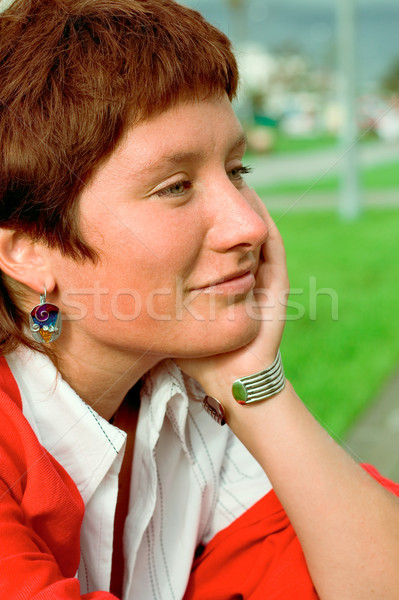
<point x="45" y="321"/>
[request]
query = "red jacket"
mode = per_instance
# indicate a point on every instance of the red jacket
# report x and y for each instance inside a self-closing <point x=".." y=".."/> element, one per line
<point x="257" y="557"/>
<point x="41" y="511"/>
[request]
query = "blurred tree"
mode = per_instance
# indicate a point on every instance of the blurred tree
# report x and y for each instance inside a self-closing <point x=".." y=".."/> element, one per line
<point x="390" y="81"/>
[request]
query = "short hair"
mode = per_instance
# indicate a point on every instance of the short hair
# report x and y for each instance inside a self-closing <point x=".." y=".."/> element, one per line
<point x="74" y="75"/>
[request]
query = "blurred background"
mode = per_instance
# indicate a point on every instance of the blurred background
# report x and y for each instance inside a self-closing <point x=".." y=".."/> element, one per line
<point x="319" y="101"/>
<point x="320" y="104"/>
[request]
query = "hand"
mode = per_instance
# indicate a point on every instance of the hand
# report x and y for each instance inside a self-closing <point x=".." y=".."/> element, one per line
<point x="217" y="373"/>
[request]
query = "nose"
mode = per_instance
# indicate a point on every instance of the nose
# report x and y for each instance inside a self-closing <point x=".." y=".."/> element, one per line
<point x="235" y="219"/>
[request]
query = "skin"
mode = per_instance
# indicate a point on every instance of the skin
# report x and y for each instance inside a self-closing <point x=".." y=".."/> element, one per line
<point x="161" y="244"/>
<point x="348" y="525"/>
<point x="154" y="232"/>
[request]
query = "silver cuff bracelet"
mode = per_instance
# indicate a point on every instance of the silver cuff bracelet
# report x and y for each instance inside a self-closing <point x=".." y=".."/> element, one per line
<point x="251" y="388"/>
<point x="261" y="385"/>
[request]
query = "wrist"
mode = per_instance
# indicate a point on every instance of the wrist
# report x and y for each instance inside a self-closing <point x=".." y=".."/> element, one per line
<point x="249" y="389"/>
<point x="261" y="385"/>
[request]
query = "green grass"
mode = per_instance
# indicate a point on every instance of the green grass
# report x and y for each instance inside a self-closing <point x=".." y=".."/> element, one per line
<point x="284" y="144"/>
<point x="303" y="144"/>
<point x="293" y="145"/>
<point x="338" y="363"/>
<point x="383" y="177"/>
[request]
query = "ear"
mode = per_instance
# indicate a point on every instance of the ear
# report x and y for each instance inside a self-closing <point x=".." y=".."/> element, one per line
<point x="25" y="261"/>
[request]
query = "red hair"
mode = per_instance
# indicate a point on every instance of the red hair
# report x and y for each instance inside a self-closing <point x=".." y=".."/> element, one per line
<point x="74" y="74"/>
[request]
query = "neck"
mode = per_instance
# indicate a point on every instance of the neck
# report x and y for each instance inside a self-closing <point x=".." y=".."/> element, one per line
<point x="103" y="381"/>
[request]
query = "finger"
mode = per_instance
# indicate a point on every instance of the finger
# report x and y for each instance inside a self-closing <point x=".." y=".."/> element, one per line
<point x="273" y="248"/>
<point x="273" y="254"/>
<point x="264" y="213"/>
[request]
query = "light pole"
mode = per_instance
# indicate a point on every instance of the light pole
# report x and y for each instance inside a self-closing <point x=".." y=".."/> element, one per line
<point x="350" y="194"/>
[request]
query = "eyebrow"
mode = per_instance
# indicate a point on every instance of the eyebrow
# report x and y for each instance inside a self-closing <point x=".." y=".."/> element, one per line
<point x="179" y="157"/>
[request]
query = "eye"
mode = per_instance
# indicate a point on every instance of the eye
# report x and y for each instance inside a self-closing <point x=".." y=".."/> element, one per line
<point x="237" y="173"/>
<point x="176" y="189"/>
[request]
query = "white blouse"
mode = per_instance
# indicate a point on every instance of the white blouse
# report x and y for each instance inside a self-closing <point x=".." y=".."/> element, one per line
<point x="190" y="479"/>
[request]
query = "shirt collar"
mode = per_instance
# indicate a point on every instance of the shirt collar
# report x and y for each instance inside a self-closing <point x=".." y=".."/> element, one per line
<point x="84" y="443"/>
<point x="167" y="391"/>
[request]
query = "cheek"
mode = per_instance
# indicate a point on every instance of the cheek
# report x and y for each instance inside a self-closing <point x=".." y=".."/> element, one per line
<point x="149" y="232"/>
<point x="152" y="307"/>
<point x="162" y="246"/>
<point x="146" y="257"/>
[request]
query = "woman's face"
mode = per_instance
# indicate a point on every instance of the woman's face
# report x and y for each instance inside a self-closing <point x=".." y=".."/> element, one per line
<point x="172" y="220"/>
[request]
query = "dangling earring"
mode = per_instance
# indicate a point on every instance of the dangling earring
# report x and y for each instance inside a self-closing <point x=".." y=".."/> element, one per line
<point x="45" y="321"/>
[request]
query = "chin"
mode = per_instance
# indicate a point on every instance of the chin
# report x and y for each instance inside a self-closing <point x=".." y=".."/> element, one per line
<point x="237" y="337"/>
<point x="221" y="337"/>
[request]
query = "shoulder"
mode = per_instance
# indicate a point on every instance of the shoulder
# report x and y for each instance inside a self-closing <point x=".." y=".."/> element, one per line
<point x="25" y="465"/>
<point x="41" y="509"/>
<point x="15" y="433"/>
<point x="8" y="385"/>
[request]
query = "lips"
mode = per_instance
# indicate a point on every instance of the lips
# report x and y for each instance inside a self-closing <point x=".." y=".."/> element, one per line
<point x="230" y="277"/>
<point x="243" y="274"/>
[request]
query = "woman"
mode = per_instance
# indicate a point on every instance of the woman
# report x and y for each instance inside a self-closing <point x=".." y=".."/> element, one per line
<point x="138" y="275"/>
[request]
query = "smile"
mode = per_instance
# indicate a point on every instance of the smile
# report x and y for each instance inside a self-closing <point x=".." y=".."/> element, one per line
<point x="236" y="284"/>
